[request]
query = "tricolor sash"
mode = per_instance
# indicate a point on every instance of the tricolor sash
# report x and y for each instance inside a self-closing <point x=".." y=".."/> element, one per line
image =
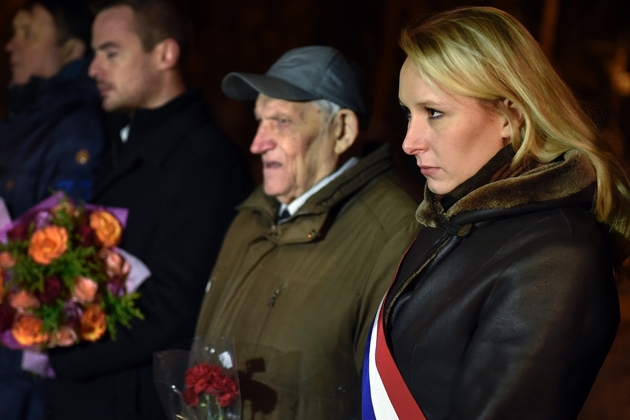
<point x="385" y="393"/>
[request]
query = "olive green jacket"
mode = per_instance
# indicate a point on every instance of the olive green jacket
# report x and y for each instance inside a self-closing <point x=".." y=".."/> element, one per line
<point x="299" y="297"/>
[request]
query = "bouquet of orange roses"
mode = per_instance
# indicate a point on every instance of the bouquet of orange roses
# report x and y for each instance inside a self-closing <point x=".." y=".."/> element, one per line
<point x="62" y="279"/>
<point x="199" y="383"/>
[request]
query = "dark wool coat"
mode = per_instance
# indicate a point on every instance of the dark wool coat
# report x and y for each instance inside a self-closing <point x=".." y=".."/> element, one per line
<point x="181" y="179"/>
<point x="299" y="297"/>
<point x="505" y="306"/>
<point x="52" y="138"/>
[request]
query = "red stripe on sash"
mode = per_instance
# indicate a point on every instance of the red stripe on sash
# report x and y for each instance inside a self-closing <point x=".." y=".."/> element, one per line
<point x="403" y="402"/>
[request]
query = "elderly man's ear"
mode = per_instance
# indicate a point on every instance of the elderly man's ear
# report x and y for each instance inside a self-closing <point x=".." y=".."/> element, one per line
<point x="72" y="49"/>
<point x="346" y="128"/>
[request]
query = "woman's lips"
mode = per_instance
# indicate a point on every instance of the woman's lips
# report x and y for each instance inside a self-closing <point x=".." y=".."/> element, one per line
<point x="428" y="170"/>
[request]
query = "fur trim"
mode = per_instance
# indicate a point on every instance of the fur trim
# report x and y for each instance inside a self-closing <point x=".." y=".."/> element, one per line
<point x="545" y="183"/>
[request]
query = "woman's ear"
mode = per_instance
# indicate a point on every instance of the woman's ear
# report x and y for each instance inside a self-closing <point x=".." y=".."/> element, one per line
<point x="72" y="49"/>
<point x="346" y="130"/>
<point x="513" y="120"/>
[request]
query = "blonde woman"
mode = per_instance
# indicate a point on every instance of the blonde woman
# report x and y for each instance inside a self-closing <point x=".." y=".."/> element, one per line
<point x="505" y="306"/>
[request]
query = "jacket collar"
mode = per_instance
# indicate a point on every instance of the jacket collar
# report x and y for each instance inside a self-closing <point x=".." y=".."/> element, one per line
<point x="155" y="142"/>
<point x="70" y="85"/>
<point x="569" y="179"/>
<point x="310" y="221"/>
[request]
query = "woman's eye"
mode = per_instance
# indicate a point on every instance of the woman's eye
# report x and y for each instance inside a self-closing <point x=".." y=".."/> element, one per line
<point x="406" y="112"/>
<point x="433" y="114"/>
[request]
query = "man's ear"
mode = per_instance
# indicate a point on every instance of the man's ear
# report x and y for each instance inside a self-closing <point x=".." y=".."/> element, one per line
<point x="167" y="54"/>
<point x="346" y="129"/>
<point x="513" y="120"/>
<point x="72" y="49"/>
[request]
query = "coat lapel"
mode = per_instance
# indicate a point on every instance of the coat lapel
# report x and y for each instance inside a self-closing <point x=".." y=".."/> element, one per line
<point x="162" y="139"/>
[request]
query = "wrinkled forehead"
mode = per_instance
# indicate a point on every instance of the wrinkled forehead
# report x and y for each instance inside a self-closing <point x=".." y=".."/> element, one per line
<point x="267" y="106"/>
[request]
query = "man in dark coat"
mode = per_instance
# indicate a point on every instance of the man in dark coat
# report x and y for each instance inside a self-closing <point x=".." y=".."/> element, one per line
<point x="180" y="179"/>
<point x="50" y="140"/>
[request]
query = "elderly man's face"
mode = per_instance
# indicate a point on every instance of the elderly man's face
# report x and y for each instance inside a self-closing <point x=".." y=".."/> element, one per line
<point x="33" y="49"/>
<point x="295" y="144"/>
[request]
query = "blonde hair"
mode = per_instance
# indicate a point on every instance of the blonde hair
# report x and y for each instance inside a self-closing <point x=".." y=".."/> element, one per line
<point x="484" y="53"/>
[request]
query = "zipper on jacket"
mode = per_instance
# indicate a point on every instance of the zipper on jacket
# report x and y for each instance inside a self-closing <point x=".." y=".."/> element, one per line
<point x="272" y="301"/>
<point x="270" y="304"/>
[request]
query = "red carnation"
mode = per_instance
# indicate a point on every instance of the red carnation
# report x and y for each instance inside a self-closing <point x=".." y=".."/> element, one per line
<point x="200" y="376"/>
<point x="190" y="397"/>
<point x="227" y="398"/>
<point x="211" y="380"/>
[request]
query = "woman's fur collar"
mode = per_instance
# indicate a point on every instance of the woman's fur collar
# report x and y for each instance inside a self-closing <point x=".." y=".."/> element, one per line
<point x="559" y="179"/>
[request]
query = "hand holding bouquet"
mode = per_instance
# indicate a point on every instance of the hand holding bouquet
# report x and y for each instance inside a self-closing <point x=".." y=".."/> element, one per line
<point x="62" y="280"/>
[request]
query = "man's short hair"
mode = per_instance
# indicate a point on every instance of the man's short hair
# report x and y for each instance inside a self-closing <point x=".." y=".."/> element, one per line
<point x="73" y="18"/>
<point x="329" y="109"/>
<point x="156" y="20"/>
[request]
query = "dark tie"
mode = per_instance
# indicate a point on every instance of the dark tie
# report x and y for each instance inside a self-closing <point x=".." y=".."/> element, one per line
<point x="284" y="216"/>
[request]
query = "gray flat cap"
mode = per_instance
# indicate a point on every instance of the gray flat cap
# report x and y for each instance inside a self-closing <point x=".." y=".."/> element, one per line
<point x="306" y="74"/>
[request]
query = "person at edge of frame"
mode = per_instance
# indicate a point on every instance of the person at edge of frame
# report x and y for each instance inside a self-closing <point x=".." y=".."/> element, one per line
<point x="51" y="140"/>
<point x="506" y="304"/>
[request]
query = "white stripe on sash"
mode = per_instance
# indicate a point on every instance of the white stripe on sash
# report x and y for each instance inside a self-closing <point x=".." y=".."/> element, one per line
<point x="383" y="408"/>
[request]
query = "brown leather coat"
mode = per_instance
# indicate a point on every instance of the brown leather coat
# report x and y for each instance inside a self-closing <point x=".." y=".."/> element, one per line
<point x="505" y="306"/>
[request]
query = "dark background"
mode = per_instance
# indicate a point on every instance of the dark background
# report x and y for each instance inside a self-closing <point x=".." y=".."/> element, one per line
<point x="581" y="37"/>
<point x="587" y="41"/>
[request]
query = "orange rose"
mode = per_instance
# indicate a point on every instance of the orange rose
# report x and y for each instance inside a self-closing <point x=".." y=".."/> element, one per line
<point x="22" y="301"/>
<point x="93" y="323"/>
<point x="27" y="330"/>
<point x="47" y="244"/>
<point x="84" y="289"/>
<point x="65" y="337"/>
<point x="6" y="260"/>
<point x="106" y="227"/>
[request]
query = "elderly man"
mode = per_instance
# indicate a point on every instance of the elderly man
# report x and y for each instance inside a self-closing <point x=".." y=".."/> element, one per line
<point x="180" y="178"/>
<point x="307" y="260"/>
<point x="51" y="139"/>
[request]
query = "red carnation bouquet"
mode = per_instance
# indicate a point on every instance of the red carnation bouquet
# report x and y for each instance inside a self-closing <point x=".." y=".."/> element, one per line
<point x="200" y="383"/>
<point x="62" y="279"/>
